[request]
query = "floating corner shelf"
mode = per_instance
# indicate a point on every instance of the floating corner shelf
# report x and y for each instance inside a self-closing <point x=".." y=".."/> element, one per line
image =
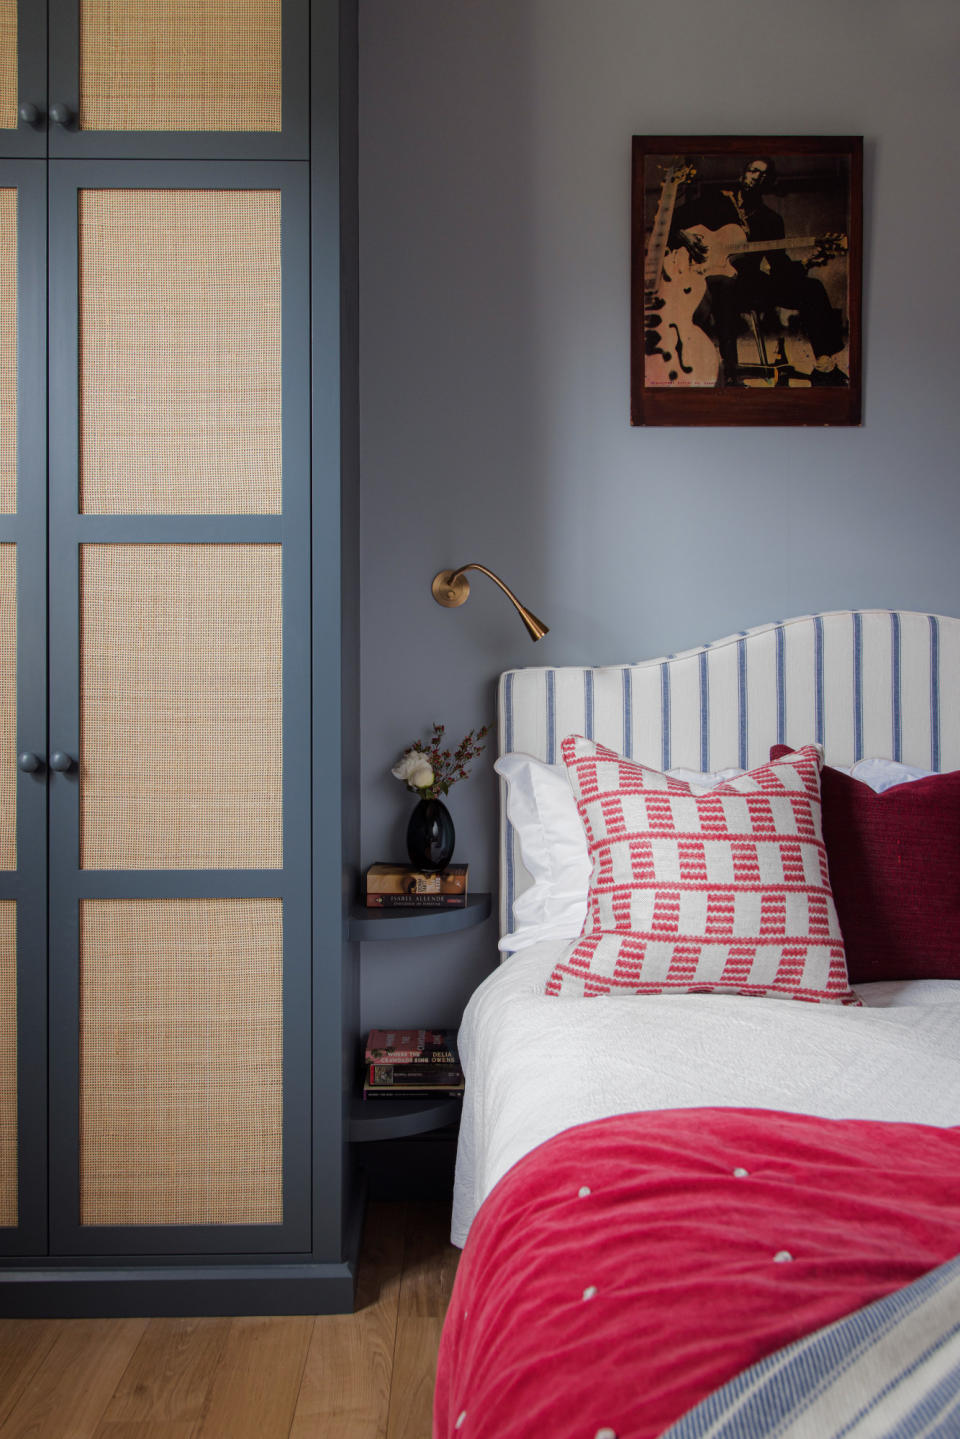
<point x="367" y="924"/>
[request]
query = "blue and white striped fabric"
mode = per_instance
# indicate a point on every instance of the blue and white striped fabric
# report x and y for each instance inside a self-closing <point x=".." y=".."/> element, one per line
<point x="861" y="683"/>
<point x="889" y="1371"/>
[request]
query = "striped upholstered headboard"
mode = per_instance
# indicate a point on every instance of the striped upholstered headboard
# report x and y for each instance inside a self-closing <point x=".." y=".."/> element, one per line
<point x="861" y="683"/>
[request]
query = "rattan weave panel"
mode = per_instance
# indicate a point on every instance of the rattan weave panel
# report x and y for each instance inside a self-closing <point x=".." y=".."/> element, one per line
<point x="180" y="706"/>
<point x="8" y="65"/>
<point x="181" y="1060"/>
<point x="180" y="406"/>
<point x="182" y="65"/>
<point x="8" y="706"/>
<point x="8" y="1063"/>
<point x="8" y="351"/>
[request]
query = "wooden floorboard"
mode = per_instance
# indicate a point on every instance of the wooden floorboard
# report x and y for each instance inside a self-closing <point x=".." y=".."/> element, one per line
<point x="257" y="1379"/>
<point x="24" y="1344"/>
<point x="366" y="1375"/>
<point x="411" y="1388"/>
<point x="169" y="1378"/>
<point x="69" y="1391"/>
<point x="345" y="1392"/>
<point x="150" y="1429"/>
<point x="429" y="1262"/>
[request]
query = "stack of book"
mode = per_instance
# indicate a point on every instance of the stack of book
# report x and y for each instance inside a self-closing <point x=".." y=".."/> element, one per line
<point x="398" y="886"/>
<point x="412" y="1064"/>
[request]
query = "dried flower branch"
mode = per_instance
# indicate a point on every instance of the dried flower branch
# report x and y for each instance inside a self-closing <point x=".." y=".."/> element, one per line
<point x="429" y="771"/>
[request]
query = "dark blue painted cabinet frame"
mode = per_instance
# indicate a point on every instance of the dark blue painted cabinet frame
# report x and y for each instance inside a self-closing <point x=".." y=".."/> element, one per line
<point x="26" y="530"/>
<point x="69" y="532"/>
<point x="303" y="1264"/>
<point x="49" y="82"/>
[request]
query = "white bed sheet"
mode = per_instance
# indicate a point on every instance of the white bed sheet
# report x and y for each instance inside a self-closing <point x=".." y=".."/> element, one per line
<point x="535" y="1066"/>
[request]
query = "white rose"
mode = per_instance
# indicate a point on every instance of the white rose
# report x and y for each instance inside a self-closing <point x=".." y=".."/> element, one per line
<point x="422" y="777"/>
<point x="409" y="762"/>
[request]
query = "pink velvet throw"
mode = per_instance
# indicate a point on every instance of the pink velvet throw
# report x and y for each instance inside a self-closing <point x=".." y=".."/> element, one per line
<point x="628" y="1267"/>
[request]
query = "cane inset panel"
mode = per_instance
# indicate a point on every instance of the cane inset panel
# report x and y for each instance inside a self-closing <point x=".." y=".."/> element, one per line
<point x="180" y="706"/>
<point x="181" y="1061"/>
<point x="8" y="707"/>
<point x="8" y="1064"/>
<point x="8" y="350"/>
<point x="183" y="65"/>
<point x="8" y="65"/>
<point x="180" y="353"/>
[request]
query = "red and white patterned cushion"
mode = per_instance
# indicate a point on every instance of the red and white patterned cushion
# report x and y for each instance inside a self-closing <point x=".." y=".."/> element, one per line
<point x="696" y="890"/>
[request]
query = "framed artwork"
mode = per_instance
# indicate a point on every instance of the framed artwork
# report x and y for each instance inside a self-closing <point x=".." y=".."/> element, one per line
<point x="746" y="280"/>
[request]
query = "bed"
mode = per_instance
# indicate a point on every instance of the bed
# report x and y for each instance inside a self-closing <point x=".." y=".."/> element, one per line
<point x="691" y="1203"/>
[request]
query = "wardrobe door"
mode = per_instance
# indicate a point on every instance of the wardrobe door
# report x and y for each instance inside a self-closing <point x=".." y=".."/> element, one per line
<point x="179" y="801"/>
<point x="23" y="773"/>
<point x="186" y="78"/>
<point x="23" y="78"/>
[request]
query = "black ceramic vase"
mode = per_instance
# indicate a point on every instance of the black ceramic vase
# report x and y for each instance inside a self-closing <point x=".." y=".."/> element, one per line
<point x="430" y="835"/>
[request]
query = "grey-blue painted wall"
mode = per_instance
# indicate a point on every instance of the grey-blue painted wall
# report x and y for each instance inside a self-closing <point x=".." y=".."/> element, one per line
<point x="494" y="345"/>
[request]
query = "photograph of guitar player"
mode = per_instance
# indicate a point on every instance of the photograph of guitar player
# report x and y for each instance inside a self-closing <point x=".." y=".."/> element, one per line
<point x="737" y="300"/>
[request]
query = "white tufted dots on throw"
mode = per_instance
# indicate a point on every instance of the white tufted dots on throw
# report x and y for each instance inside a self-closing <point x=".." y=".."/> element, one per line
<point x="590" y="1291"/>
<point x="605" y="1434"/>
<point x="460" y="1418"/>
<point x="741" y="1174"/>
<point x="782" y="1256"/>
<point x="583" y="1191"/>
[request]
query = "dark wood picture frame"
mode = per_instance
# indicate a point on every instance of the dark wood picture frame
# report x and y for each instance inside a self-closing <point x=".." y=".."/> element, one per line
<point x="746" y="280"/>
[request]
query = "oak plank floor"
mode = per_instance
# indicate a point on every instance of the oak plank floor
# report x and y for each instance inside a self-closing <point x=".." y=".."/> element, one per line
<point x="366" y="1375"/>
<point x="23" y="1348"/>
<point x="345" y="1393"/>
<point x="70" y="1389"/>
<point x="168" y="1379"/>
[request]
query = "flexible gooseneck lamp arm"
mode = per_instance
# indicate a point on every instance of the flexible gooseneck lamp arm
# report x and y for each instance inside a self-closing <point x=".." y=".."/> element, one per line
<point x="451" y="588"/>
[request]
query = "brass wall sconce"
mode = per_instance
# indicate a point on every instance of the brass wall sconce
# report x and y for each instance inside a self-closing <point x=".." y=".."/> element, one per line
<point x="450" y="588"/>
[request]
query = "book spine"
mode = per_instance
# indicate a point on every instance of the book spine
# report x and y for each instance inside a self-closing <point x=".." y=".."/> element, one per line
<point x="438" y="1057"/>
<point x="414" y="1074"/>
<point x="392" y="1091"/>
<point x="392" y="879"/>
<point x="416" y="901"/>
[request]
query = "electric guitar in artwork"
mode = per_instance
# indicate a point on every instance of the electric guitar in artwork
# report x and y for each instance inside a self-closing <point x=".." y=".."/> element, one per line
<point x="676" y="351"/>
<point x="710" y="251"/>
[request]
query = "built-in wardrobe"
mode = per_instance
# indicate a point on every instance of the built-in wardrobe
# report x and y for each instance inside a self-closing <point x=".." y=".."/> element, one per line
<point x="177" y="654"/>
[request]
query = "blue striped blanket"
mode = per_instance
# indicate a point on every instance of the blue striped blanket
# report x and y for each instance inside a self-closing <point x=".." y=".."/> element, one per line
<point x="889" y="1371"/>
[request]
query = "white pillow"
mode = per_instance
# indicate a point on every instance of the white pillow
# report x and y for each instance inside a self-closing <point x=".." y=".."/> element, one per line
<point x="881" y="774"/>
<point x="553" y="844"/>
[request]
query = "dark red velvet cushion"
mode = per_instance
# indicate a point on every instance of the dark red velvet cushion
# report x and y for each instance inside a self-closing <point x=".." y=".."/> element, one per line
<point x="895" y="873"/>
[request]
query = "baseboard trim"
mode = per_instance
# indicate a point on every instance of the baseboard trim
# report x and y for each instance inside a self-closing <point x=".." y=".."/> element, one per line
<point x="146" y="1292"/>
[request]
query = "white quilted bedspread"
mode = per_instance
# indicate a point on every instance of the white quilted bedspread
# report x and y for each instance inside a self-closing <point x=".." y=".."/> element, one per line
<point x="535" y="1066"/>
